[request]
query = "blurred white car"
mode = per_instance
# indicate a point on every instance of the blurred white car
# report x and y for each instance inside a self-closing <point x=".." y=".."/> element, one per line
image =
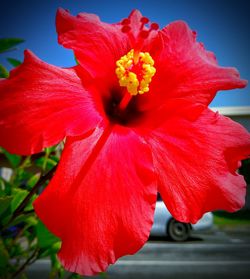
<point x="166" y="225"/>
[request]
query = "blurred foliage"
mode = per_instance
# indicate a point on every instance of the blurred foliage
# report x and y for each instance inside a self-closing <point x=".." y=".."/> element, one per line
<point x="9" y="44"/>
<point x="245" y="170"/>
<point x="23" y="238"/>
<point x="3" y="72"/>
<point x="14" y="62"/>
<point x="228" y="219"/>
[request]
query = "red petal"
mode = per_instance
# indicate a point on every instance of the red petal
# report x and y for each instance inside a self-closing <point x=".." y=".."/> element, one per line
<point x="40" y="105"/>
<point x="104" y="213"/>
<point x="97" y="45"/>
<point x="196" y="162"/>
<point x="185" y="69"/>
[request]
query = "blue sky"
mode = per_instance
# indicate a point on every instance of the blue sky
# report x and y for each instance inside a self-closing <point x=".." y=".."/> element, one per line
<point x="222" y="25"/>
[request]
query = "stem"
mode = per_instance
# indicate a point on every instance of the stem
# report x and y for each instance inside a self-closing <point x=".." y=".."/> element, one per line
<point x="26" y="263"/>
<point x="39" y="183"/>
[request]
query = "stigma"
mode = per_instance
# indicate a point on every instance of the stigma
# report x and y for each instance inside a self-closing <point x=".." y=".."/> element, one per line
<point x="135" y="71"/>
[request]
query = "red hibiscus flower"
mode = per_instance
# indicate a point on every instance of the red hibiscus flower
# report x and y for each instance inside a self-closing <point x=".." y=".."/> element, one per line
<point x="136" y="120"/>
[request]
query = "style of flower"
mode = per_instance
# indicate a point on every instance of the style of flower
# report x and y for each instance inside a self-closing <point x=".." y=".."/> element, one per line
<point x="136" y="120"/>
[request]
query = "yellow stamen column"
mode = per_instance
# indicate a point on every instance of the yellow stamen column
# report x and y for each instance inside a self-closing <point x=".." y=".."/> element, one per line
<point x="127" y="72"/>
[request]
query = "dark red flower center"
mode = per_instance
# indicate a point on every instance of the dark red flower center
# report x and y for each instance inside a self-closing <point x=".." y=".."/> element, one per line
<point x="125" y="115"/>
<point x="134" y="72"/>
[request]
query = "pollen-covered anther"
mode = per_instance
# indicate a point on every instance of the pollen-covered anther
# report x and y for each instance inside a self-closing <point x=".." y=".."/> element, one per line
<point x="135" y="74"/>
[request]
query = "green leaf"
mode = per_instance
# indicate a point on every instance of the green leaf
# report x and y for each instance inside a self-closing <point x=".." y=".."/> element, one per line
<point x="57" y="270"/>
<point x="7" y="44"/>
<point x="47" y="162"/>
<point x="4" y="258"/>
<point x="21" y="177"/>
<point x="55" y="247"/>
<point x="5" y="203"/>
<point x="54" y="158"/>
<point x="19" y="196"/>
<point x="20" y="219"/>
<point x="13" y="159"/>
<point x="31" y="221"/>
<point x="77" y="276"/>
<point x="5" y="187"/>
<point x="48" y="150"/>
<point x="45" y="238"/>
<point x="14" y="62"/>
<point x="3" y="72"/>
<point x="33" y="180"/>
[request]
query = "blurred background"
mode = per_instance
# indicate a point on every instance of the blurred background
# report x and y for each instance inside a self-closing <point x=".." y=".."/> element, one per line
<point x="219" y="251"/>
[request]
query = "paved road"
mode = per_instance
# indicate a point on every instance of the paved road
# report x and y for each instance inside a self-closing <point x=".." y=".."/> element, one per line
<point x="215" y="255"/>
